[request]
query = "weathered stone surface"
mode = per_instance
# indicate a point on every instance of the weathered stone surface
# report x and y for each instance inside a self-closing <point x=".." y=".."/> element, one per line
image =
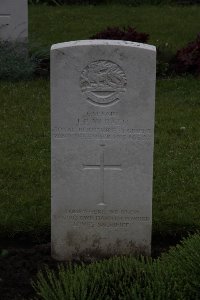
<point x="14" y="20"/>
<point x="102" y="95"/>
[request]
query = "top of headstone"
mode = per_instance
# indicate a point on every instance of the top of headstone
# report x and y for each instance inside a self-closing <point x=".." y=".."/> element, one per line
<point x="103" y="43"/>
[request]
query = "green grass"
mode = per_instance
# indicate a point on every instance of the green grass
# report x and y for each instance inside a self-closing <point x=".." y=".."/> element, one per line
<point x="177" y="161"/>
<point x="25" y="157"/>
<point x="173" y="26"/>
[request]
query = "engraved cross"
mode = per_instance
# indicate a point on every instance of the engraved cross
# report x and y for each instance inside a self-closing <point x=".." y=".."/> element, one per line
<point x="102" y="167"/>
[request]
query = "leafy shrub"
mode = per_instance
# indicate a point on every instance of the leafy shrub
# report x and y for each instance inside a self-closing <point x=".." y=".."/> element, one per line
<point x="186" y="259"/>
<point x="175" y="275"/>
<point x="42" y="61"/>
<point x="187" y="59"/>
<point x="15" y="62"/>
<point x="126" y="34"/>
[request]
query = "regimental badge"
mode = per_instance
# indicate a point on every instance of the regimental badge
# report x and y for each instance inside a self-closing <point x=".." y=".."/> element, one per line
<point x="102" y="82"/>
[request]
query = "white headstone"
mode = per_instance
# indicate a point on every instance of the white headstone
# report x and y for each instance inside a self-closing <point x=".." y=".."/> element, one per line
<point x="14" y="20"/>
<point x="102" y="95"/>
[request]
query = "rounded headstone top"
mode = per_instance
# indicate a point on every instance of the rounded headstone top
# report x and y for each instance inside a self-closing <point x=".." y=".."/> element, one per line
<point x="103" y="43"/>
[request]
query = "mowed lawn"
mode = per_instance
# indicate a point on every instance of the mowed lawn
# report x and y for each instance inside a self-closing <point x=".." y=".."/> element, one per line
<point x="168" y="26"/>
<point x="25" y="121"/>
<point x="25" y="157"/>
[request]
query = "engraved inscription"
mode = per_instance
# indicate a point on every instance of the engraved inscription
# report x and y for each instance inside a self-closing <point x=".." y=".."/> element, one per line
<point x="101" y="118"/>
<point x="102" y="125"/>
<point x="102" y="82"/>
<point x="105" y="133"/>
<point x="102" y="166"/>
<point x="111" y="218"/>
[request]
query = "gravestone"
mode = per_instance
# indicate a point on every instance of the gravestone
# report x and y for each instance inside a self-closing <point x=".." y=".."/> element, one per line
<point x="14" y="20"/>
<point x="102" y="104"/>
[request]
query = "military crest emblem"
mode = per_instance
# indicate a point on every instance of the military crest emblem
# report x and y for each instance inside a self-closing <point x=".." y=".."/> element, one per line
<point x="102" y="82"/>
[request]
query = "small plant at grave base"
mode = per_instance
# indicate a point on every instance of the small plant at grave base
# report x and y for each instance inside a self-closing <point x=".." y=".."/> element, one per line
<point x="175" y="275"/>
<point x="15" y="62"/>
<point x="187" y="59"/>
<point x="42" y="62"/>
<point x="126" y="34"/>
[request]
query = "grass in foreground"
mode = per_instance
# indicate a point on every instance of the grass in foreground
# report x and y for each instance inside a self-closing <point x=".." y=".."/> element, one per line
<point x="169" y="26"/>
<point x="173" y="276"/>
<point x="25" y="157"/>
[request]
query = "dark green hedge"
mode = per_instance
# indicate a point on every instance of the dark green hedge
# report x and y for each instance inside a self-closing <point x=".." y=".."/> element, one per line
<point x="173" y="276"/>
